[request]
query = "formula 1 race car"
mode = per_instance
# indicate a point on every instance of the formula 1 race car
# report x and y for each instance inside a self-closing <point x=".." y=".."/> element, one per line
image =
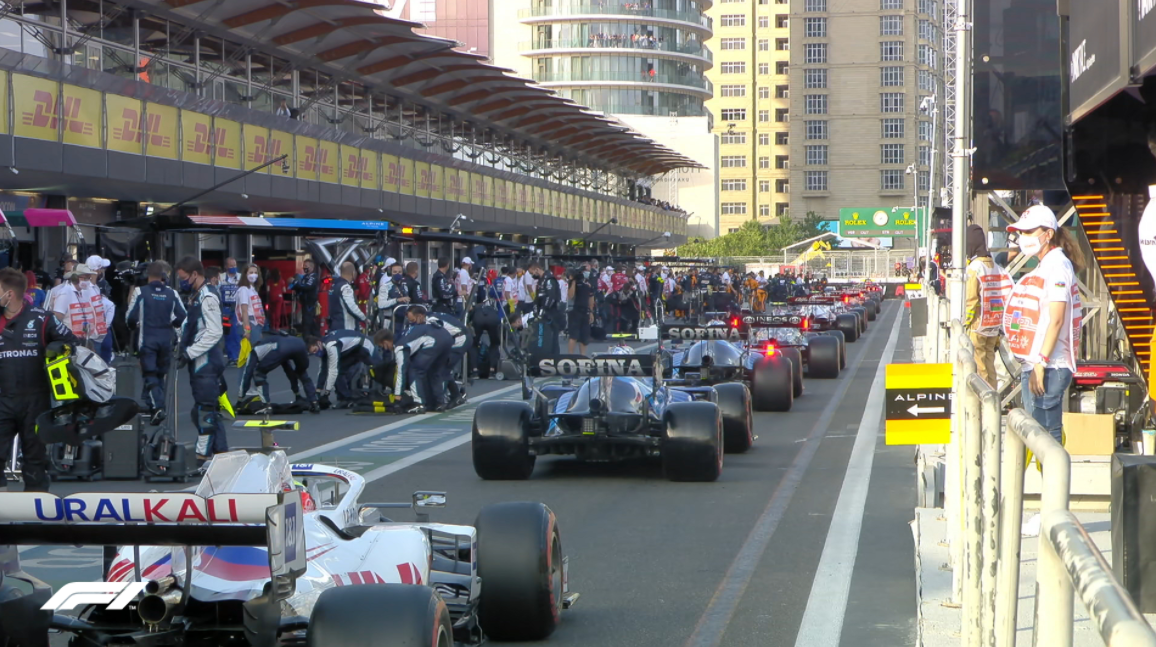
<point x="622" y="409"/>
<point x="265" y="554"/>
<point x="770" y="352"/>
<point x="831" y="311"/>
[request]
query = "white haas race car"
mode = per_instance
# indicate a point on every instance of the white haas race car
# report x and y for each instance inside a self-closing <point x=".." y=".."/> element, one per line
<point x="266" y="554"/>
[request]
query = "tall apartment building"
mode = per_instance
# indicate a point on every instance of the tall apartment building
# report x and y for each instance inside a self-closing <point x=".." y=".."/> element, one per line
<point x="644" y="63"/>
<point x="860" y="71"/>
<point x="751" y="109"/>
<point x="466" y="21"/>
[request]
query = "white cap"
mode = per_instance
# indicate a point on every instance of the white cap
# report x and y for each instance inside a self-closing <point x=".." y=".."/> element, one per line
<point x="1036" y="216"/>
<point x="97" y="263"/>
<point x="468" y="260"/>
<point x="390" y="261"/>
<point x="82" y="269"/>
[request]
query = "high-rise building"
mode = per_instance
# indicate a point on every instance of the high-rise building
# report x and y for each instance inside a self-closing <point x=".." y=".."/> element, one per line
<point x="862" y="130"/>
<point x="751" y="108"/>
<point x="466" y="21"/>
<point x="644" y="63"/>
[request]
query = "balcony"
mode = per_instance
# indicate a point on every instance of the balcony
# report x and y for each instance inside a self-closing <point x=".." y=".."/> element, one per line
<point x="688" y="49"/>
<point x="619" y="9"/>
<point x="688" y="80"/>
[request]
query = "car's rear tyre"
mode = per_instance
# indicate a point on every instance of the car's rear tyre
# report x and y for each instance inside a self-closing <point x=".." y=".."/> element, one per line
<point x="872" y="309"/>
<point x="501" y="441"/>
<point x="861" y="312"/>
<point x="520" y="564"/>
<point x="838" y="335"/>
<point x="693" y="447"/>
<point x="848" y="324"/>
<point x="878" y="304"/>
<point x="369" y="615"/>
<point x="734" y="402"/>
<point x="772" y="385"/>
<point x="823" y="362"/>
<point x="796" y="357"/>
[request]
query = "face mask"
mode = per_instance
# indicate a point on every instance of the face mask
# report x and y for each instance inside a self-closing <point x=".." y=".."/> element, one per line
<point x="1030" y="245"/>
<point x="186" y="285"/>
<point x="252" y="278"/>
<point x="232" y="270"/>
<point x="396" y="278"/>
<point x="85" y="285"/>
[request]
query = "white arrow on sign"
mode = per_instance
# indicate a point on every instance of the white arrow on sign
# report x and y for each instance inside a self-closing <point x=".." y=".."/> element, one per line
<point x="916" y="410"/>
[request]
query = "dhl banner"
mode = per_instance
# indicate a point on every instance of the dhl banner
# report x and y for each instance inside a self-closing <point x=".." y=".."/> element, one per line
<point x="124" y="117"/>
<point x="256" y="145"/>
<point x="306" y="158"/>
<point x="488" y="196"/>
<point x="4" y="101"/>
<point x="281" y="143"/>
<point x="437" y="182"/>
<point x="511" y="195"/>
<point x="405" y="178"/>
<point x="463" y="185"/>
<point x="198" y="137"/>
<point x="390" y="174"/>
<point x="350" y="157"/>
<point x="329" y="166"/>
<point x="82" y="120"/>
<point x="421" y="174"/>
<point x="500" y="194"/>
<point x="160" y="131"/>
<point x="477" y="189"/>
<point x="522" y="198"/>
<point x="37" y="118"/>
<point x="226" y="143"/>
<point x="453" y="185"/>
<point x="367" y="166"/>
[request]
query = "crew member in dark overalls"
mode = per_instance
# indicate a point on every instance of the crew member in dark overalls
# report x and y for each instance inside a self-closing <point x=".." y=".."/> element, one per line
<point x="442" y="289"/>
<point x="413" y="287"/>
<point x="391" y="294"/>
<point x="343" y="355"/>
<point x="420" y="354"/>
<point x="547" y="303"/>
<point x="200" y="350"/>
<point x="344" y="313"/>
<point x="306" y="290"/>
<point x="158" y="313"/>
<point x="289" y="353"/>
<point x="451" y="372"/>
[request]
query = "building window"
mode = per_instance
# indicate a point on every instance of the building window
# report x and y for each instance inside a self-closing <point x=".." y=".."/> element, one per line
<point x="816" y="129"/>
<point x="734" y="114"/>
<point x="890" y="25"/>
<point x="891" y="154"/>
<point x="764" y="22"/>
<point x="764" y="139"/>
<point x="734" y="209"/>
<point x="893" y="128"/>
<point x="764" y="68"/>
<point x="889" y="50"/>
<point x="733" y="161"/>
<point x="782" y="186"/>
<point x="815" y="27"/>
<point x="764" y="163"/>
<point x="764" y="44"/>
<point x="928" y="56"/>
<point x="816" y="155"/>
<point x="733" y="43"/>
<point x="733" y="20"/>
<point x="764" y="116"/>
<point x="815" y="180"/>
<point x="928" y="31"/>
<point x="782" y="44"/>
<point x="781" y="161"/>
<point x="764" y="186"/>
<point x="815" y="5"/>
<point x="781" y="138"/>
<point x="926" y="81"/>
<point x="732" y="230"/>
<point x="890" y="5"/>
<point x="734" y="67"/>
<point x="925" y="131"/>
<point x="782" y="115"/>
<point x="891" y="102"/>
<point x="815" y="104"/>
<point x="782" y="91"/>
<point x="891" y="76"/>
<point x="781" y="209"/>
<point x="733" y="138"/>
<point x="925" y="156"/>
<point x="765" y="92"/>
<point x="929" y="7"/>
<point x="891" y="179"/>
<point x="782" y="21"/>
<point x="924" y="181"/>
<point x="782" y="67"/>
<point x="817" y="52"/>
<point x="764" y="210"/>
<point x="734" y="185"/>
<point x="815" y="78"/>
<point x="733" y="90"/>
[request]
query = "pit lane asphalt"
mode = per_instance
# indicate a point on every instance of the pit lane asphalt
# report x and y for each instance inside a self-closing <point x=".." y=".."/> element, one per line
<point x="650" y="556"/>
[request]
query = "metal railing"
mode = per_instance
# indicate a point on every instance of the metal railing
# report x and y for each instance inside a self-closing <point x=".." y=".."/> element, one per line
<point x="618" y="10"/>
<point x="992" y="491"/>
<point x="621" y="43"/>
<point x="688" y="80"/>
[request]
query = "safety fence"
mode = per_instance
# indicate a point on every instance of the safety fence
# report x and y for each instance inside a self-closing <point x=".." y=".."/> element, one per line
<point x="878" y="265"/>
<point x="990" y="501"/>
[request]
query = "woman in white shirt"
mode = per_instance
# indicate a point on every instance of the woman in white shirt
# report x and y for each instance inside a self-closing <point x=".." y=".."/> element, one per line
<point x="1043" y="316"/>
<point x="80" y="306"/>
<point x="250" y="312"/>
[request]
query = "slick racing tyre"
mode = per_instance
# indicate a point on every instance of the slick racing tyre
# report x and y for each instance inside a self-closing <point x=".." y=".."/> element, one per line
<point x="772" y="385"/>
<point x="862" y="313"/>
<point x="734" y="401"/>
<point x="796" y="357"/>
<point x="501" y="441"/>
<point x="693" y="447"/>
<point x="848" y="324"/>
<point x="872" y="309"/>
<point x="823" y="359"/>
<point x="838" y="335"/>
<point x="369" y="615"/>
<point x="520" y="563"/>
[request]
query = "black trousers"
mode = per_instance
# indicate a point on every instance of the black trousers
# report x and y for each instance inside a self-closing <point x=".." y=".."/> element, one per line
<point x="18" y="414"/>
<point x="309" y="322"/>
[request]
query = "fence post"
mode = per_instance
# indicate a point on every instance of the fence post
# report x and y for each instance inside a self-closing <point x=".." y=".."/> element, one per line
<point x="1011" y="518"/>
<point x="990" y="420"/>
<point x="971" y="492"/>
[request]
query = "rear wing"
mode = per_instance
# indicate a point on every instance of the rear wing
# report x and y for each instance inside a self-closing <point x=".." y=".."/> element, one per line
<point x="597" y="366"/>
<point x="692" y="333"/>
<point x="800" y="321"/>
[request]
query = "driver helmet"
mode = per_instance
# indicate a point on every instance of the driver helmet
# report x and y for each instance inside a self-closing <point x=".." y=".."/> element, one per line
<point x="307" y="503"/>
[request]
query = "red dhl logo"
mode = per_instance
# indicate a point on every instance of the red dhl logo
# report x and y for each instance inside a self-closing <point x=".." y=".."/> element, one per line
<point x="264" y="149"/>
<point x="357" y="168"/>
<point x="397" y="175"/>
<point x="44" y="114"/>
<point x="316" y="159"/>
<point x="130" y="129"/>
<point x="426" y="181"/>
<point x="454" y="185"/>
<point x="205" y="140"/>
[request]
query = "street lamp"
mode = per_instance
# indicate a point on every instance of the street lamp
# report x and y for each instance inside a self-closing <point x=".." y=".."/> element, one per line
<point x="928" y="106"/>
<point x="612" y="221"/>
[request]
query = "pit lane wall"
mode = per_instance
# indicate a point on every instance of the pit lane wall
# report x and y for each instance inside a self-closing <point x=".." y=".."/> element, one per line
<point x="92" y="134"/>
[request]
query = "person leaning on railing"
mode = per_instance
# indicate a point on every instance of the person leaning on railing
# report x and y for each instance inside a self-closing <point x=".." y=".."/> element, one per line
<point x="988" y="288"/>
<point x="1042" y="320"/>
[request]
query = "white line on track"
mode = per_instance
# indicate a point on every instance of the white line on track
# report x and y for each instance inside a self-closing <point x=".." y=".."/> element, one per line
<point x="822" y="624"/>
